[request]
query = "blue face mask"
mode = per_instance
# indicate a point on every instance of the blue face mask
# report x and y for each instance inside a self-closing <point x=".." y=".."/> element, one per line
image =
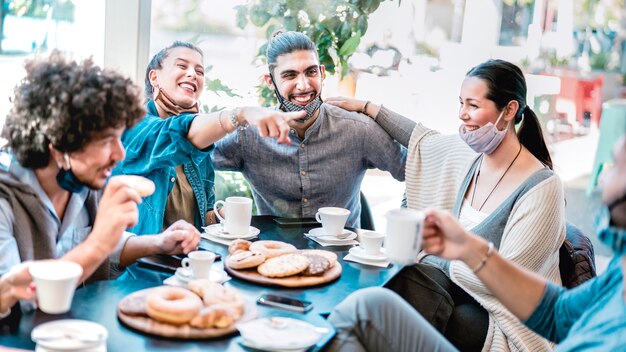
<point x="66" y="178"/>
<point x="612" y="236"/>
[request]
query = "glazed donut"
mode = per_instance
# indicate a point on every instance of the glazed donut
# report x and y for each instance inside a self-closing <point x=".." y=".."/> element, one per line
<point x="239" y="245"/>
<point x="172" y="305"/>
<point x="244" y="260"/>
<point x="272" y="249"/>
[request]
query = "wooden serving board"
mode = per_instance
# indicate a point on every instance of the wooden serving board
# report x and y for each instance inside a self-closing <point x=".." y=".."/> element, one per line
<point x="253" y="275"/>
<point x="153" y="327"/>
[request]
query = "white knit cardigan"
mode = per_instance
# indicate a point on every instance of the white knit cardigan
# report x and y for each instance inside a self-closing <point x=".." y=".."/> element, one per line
<point x="436" y="166"/>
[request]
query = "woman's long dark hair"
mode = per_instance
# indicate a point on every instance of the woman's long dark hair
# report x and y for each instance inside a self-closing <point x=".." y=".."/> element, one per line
<point x="506" y="82"/>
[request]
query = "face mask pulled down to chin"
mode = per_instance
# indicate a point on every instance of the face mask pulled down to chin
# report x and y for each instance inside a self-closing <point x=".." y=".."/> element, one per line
<point x="168" y="105"/>
<point x="66" y="178"/>
<point x="287" y="106"/>
<point x="485" y="139"/>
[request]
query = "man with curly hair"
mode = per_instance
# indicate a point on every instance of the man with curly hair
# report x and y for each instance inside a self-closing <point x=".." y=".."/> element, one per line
<point x="64" y="134"/>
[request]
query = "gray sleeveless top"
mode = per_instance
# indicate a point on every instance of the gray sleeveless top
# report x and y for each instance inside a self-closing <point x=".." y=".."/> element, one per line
<point x="492" y="228"/>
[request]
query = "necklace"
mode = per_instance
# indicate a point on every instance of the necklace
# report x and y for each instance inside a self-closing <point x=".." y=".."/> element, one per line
<point x="497" y="183"/>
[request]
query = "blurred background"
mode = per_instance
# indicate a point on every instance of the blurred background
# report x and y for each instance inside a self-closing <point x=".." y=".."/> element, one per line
<point x="410" y="55"/>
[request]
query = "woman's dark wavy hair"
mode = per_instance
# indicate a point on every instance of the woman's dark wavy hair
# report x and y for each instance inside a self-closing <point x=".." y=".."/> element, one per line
<point x="157" y="62"/>
<point x="506" y="82"/>
<point x="65" y="104"/>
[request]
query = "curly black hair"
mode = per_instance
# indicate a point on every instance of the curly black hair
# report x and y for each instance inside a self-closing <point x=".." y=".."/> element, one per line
<point x="65" y="103"/>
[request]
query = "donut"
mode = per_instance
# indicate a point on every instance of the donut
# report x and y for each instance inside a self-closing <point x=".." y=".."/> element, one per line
<point x="142" y="185"/>
<point x="172" y="305"/>
<point x="213" y="317"/>
<point x="245" y="260"/>
<point x="239" y="245"/>
<point x="134" y="305"/>
<point x="215" y="294"/>
<point x="272" y="249"/>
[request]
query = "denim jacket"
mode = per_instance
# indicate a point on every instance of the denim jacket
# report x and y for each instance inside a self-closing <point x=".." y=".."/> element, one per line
<point x="154" y="147"/>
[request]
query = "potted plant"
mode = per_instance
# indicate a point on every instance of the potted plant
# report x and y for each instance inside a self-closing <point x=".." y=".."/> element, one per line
<point x="336" y="26"/>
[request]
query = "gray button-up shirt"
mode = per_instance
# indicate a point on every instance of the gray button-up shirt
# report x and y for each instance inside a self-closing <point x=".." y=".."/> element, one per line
<point x="323" y="169"/>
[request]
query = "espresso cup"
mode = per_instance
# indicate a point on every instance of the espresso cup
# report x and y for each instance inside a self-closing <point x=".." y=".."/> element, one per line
<point x="404" y="235"/>
<point x="200" y="263"/>
<point x="237" y="215"/>
<point x="333" y="219"/>
<point x="55" y="282"/>
<point x="371" y="241"/>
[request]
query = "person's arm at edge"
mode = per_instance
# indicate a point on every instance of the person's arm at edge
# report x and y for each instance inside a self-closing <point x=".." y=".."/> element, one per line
<point x="444" y="236"/>
<point x="397" y="126"/>
<point x="500" y="275"/>
<point x="180" y="237"/>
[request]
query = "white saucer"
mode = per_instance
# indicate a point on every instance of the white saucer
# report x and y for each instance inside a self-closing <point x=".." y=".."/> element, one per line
<point x="185" y="275"/>
<point x="279" y="334"/>
<point x="69" y="335"/>
<point x="319" y="233"/>
<point x="217" y="230"/>
<point x="359" y="252"/>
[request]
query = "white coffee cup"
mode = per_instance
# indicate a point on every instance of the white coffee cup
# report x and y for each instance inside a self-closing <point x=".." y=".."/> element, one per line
<point x="200" y="263"/>
<point x="237" y="213"/>
<point x="371" y="241"/>
<point x="404" y="235"/>
<point x="333" y="219"/>
<point x="55" y="281"/>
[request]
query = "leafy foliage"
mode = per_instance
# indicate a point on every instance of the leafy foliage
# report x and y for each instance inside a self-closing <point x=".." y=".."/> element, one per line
<point x="231" y="184"/>
<point x="336" y="26"/>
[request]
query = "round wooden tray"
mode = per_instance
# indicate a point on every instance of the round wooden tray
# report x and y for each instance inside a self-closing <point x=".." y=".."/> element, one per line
<point x="153" y="327"/>
<point x="253" y="275"/>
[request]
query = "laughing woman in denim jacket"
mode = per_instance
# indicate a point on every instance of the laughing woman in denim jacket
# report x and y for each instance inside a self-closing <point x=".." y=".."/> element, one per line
<point x="172" y="144"/>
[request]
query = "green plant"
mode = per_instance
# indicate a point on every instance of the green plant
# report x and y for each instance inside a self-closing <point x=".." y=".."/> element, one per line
<point x="336" y="26"/>
<point x="229" y="184"/>
<point x="599" y="61"/>
<point x="216" y="87"/>
<point x="423" y="48"/>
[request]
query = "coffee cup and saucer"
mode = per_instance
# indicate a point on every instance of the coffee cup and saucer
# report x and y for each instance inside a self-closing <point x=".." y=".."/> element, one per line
<point x="219" y="231"/>
<point x="186" y="275"/>
<point x="345" y="235"/>
<point x="197" y="265"/>
<point x="333" y="221"/>
<point x="236" y="220"/>
<point x="370" y="247"/>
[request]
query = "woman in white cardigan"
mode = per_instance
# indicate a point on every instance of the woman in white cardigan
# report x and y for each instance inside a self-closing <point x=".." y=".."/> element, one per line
<point x="499" y="183"/>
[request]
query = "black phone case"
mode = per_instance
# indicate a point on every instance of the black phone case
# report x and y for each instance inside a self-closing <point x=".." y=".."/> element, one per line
<point x="161" y="262"/>
<point x="296" y="222"/>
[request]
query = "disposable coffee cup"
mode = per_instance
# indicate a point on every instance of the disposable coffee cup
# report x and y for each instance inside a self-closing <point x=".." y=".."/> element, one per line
<point x="404" y="235"/>
<point x="237" y="215"/>
<point x="55" y="282"/>
<point x="200" y="263"/>
<point x="333" y="220"/>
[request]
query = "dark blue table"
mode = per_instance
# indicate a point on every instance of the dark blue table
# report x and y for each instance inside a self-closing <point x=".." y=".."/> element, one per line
<point x="97" y="302"/>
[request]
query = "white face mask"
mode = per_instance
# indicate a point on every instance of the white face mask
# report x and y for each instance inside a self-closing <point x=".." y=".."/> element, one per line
<point x="486" y="139"/>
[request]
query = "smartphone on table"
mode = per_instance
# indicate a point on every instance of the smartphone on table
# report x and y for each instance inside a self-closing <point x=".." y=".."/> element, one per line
<point x="163" y="262"/>
<point x="296" y="222"/>
<point x="292" y="304"/>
